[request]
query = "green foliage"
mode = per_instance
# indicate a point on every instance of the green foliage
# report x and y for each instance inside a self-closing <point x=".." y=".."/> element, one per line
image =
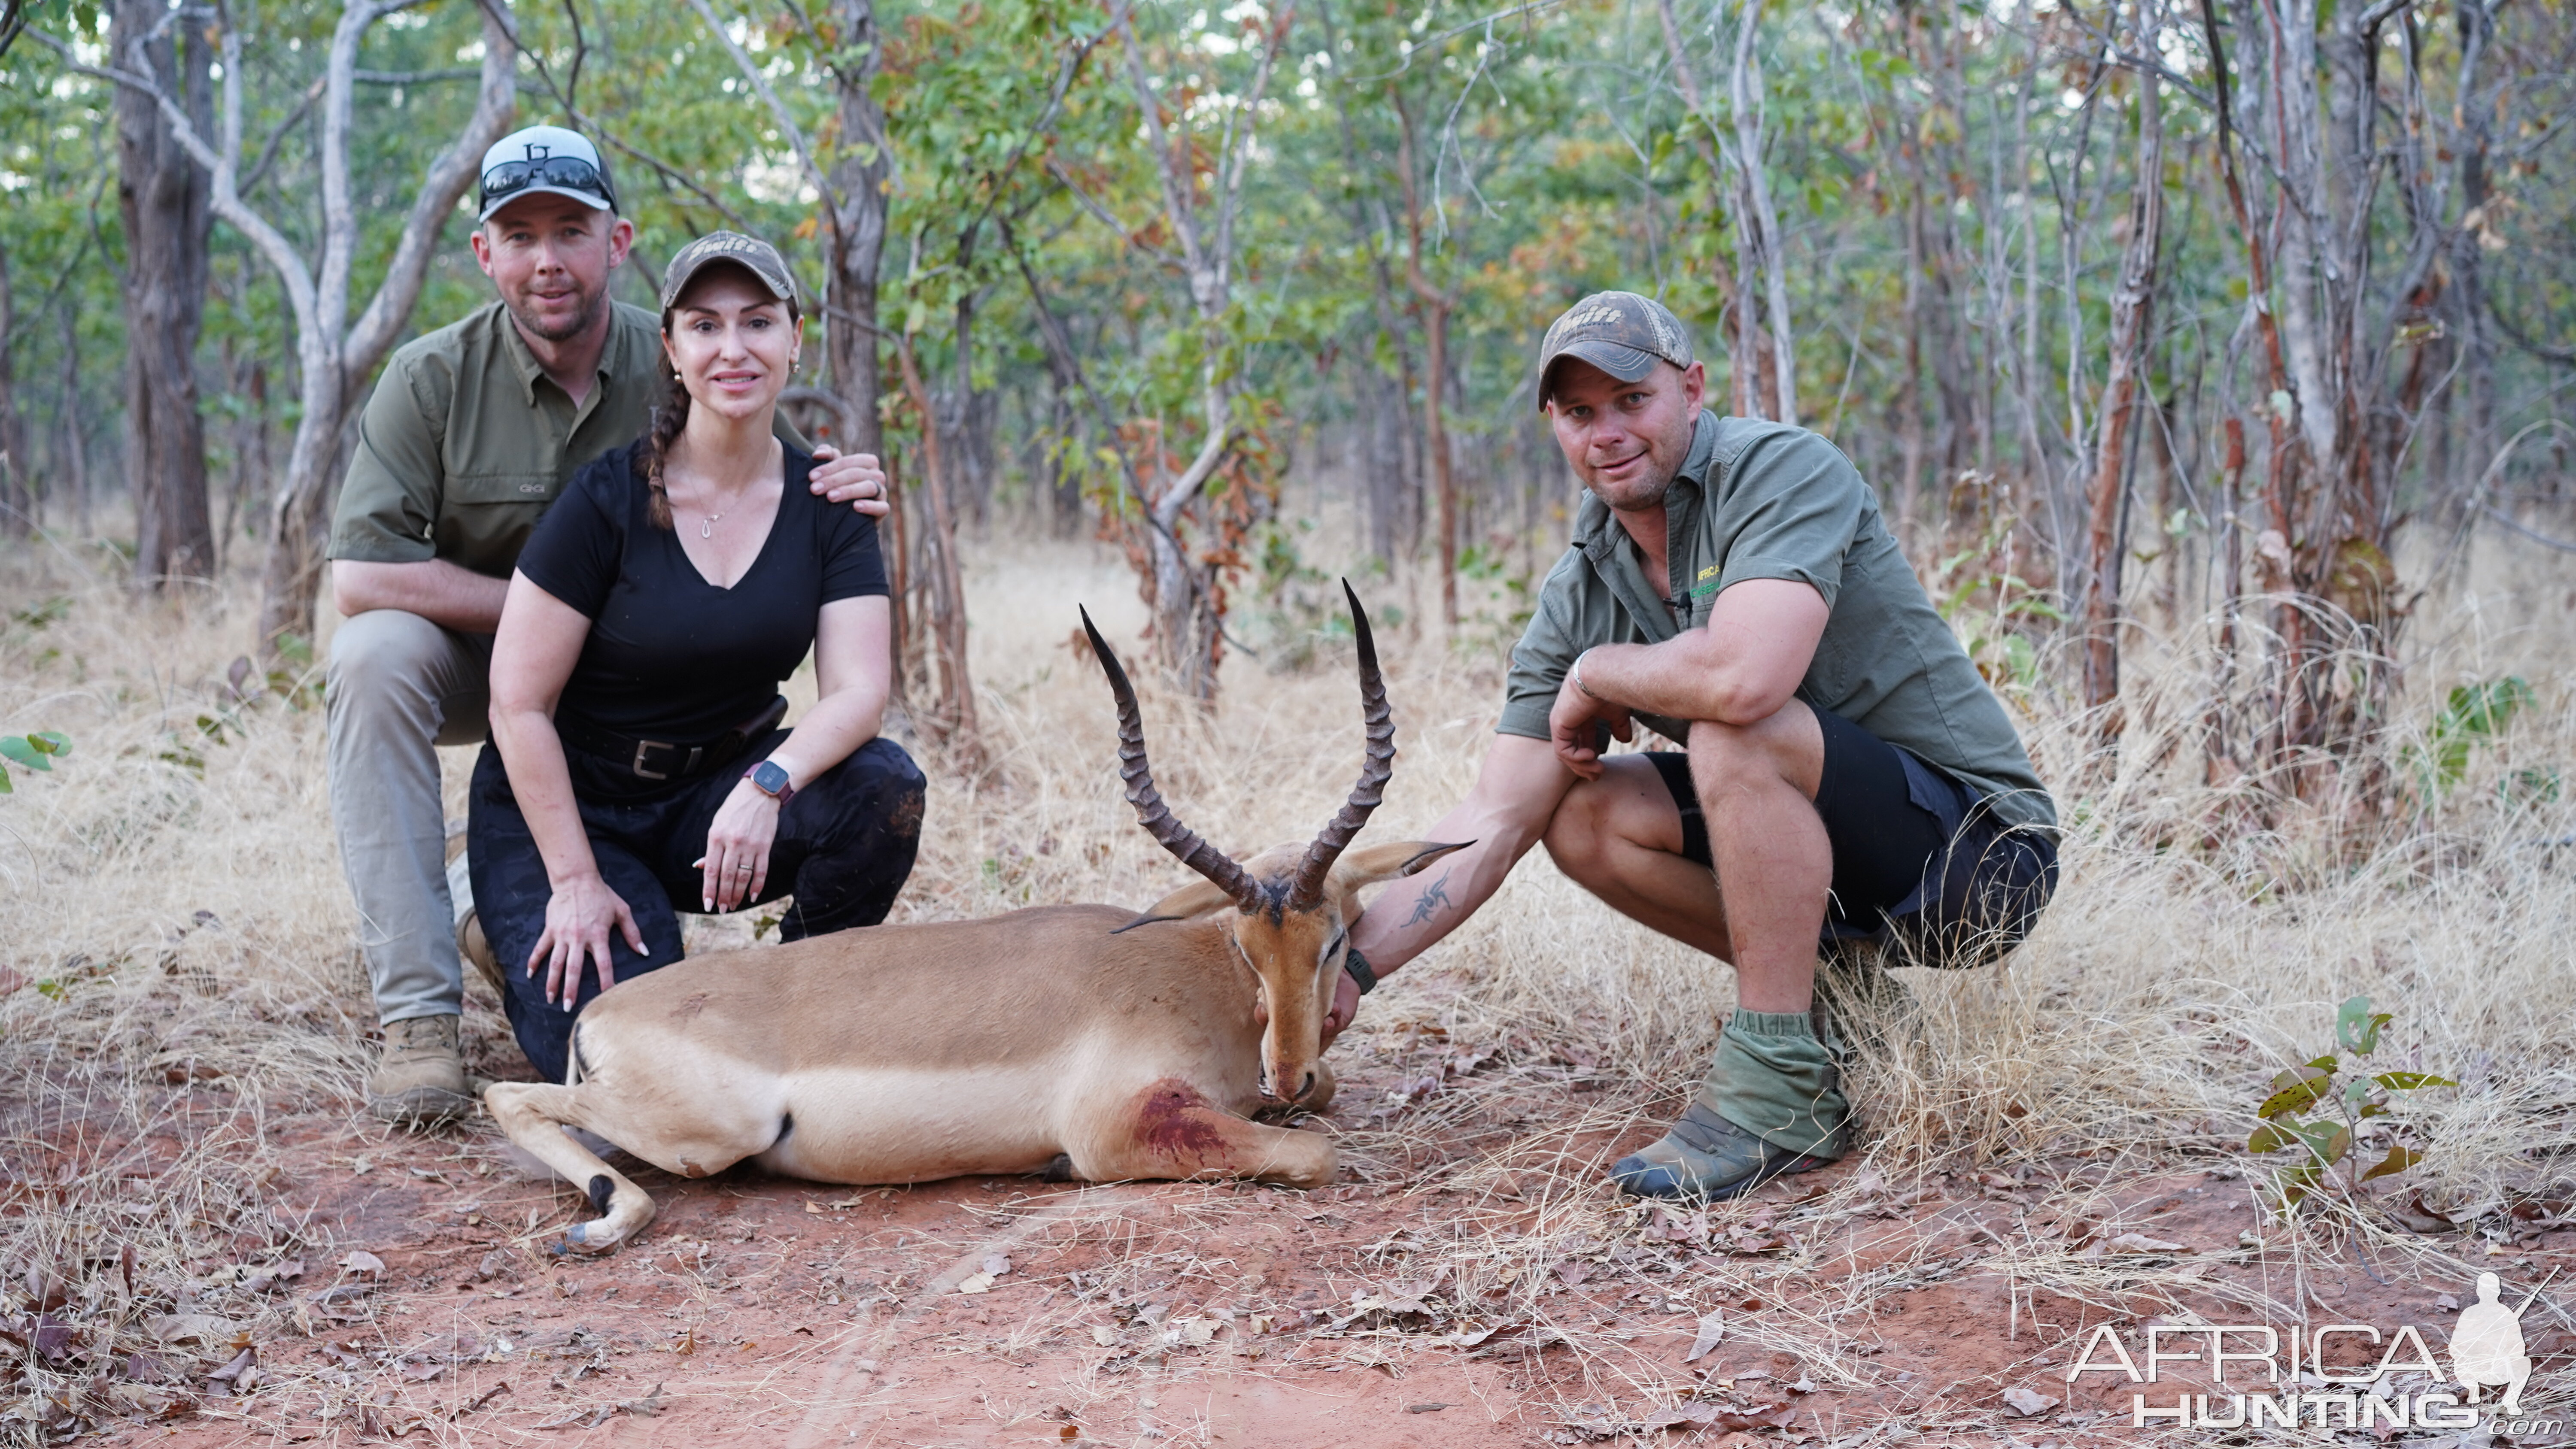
<point x="2474" y="715"/>
<point x="33" y="752"/>
<point x="2338" y="1099"/>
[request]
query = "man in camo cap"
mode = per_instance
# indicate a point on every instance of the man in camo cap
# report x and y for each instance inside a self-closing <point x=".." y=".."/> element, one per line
<point x="1847" y="783"/>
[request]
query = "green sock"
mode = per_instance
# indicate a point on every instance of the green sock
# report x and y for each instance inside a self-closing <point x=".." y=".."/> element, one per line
<point x="1774" y="1079"/>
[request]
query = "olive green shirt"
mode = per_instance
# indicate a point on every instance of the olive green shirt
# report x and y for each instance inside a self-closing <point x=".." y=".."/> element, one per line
<point x="1759" y="500"/>
<point x="466" y="440"/>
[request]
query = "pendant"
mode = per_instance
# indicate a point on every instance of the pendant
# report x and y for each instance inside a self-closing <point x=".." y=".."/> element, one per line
<point x="707" y="529"/>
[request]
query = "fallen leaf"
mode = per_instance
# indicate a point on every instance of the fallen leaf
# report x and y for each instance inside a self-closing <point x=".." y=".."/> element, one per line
<point x="1104" y="1335"/>
<point x="2028" y="1403"/>
<point x="1712" y="1327"/>
<point x="1196" y="1332"/>
<point x="240" y="1364"/>
<point x="976" y="1283"/>
<point x="423" y="1370"/>
<point x="362" y="1261"/>
<point x="996" y="1265"/>
<point x="181" y="1327"/>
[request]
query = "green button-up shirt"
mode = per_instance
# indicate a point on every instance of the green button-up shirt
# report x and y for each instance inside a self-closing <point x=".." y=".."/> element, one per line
<point x="466" y="440"/>
<point x="1758" y="500"/>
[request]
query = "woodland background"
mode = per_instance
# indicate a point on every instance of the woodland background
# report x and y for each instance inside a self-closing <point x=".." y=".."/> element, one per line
<point x="2137" y="314"/>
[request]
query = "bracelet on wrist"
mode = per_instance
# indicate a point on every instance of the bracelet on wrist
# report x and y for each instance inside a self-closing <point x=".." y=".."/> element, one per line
<point x="1574" y="672"/>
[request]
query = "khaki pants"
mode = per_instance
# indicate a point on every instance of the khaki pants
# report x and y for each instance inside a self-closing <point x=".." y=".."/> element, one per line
<point x="398" y="687"/>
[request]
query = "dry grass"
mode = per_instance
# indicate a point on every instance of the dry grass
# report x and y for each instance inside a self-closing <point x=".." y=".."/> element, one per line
<point x="175" y="915"/>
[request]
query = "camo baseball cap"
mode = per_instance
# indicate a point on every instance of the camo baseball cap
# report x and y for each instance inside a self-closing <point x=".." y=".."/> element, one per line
<point x="1621" y="333"/>
<point x="747" y="252"/>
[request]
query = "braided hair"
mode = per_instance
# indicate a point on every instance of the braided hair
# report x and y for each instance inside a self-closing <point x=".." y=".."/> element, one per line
<point x="668" y="420"/>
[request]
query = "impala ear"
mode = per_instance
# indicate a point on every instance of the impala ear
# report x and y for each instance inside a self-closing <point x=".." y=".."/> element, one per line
<point x="1195" y="899"/>
<point x="1371" y="864"/>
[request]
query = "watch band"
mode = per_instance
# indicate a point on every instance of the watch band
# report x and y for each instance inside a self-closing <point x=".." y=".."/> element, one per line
<point x="782" y="794"/>
<point x="1358" y="967"/>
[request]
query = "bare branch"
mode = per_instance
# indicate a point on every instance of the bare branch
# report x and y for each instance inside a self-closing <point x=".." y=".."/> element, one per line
<point x="777" y="108"/>
<point x="449" y="176"/>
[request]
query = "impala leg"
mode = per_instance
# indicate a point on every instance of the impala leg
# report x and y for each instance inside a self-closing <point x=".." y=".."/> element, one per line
<point x="534" y="1117"/>
<point x="1171" y="1130"/>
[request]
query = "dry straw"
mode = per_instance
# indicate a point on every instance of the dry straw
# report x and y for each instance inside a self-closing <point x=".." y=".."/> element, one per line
<point x="178" y="942"/>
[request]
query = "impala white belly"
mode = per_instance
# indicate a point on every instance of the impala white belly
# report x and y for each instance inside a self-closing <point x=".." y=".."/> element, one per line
<point x="861" y="1124"/>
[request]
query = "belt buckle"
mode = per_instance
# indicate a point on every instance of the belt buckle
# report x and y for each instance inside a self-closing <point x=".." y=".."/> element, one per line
<point x="637" y="764"/>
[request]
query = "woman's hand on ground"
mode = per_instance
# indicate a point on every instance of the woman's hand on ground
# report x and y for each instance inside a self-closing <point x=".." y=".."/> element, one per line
<point x="855" y="480"/>
<point x="736" y="864"/>
<point x="578" y="917"/>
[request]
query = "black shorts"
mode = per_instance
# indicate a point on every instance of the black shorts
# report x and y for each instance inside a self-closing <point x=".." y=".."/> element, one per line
<point x="1921" y="861"/>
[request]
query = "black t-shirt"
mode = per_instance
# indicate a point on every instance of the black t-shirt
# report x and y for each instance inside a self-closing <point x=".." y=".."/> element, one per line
<point x="671" y="656"/>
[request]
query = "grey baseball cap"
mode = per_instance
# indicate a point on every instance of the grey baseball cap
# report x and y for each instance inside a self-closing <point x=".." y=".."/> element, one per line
<point x="1621" y="333"/>
<point x="543" y="159"/>
<point x="747" y="252"/>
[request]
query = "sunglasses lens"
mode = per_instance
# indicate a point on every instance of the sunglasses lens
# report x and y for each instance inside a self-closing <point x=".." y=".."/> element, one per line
<point x="512" y="177"/>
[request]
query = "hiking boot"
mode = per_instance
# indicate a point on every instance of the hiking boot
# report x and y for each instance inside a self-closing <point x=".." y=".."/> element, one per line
<point x="1705" y="1158"/>
<point x="421" y="1077"/>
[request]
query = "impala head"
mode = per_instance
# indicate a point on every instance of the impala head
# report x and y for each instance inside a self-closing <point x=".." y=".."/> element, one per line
<point x="1292" y="907"/>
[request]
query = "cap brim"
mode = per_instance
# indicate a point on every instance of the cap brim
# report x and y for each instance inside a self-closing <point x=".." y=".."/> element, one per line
<point x="1617" y="359"/>
<point x="591" y="199"/>
<point x="674" y="283"/>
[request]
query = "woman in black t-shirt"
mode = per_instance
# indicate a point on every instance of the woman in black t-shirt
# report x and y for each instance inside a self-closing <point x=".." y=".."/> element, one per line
<point x="636" y="768"/>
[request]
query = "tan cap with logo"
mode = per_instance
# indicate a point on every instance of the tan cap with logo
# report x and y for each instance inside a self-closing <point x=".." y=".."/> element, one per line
<point x="747" y="252"/>
<point x="1621" y="333"/>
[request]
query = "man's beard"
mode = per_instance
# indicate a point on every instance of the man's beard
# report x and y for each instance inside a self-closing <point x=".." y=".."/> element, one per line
<point x="587" y="314"/>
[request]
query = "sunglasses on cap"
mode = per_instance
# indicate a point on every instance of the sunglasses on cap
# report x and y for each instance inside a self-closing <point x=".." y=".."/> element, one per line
<point x="570" y="172"/>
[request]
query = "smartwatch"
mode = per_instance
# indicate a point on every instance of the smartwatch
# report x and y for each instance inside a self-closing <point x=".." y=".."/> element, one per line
<point x="770" y="779"/>
<point x="1357" y="967"/>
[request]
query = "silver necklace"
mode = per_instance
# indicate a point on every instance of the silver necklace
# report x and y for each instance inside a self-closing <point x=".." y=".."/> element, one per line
<point x="708" y="529"/>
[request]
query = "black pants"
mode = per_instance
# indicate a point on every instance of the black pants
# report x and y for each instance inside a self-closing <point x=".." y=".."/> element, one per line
<point x="844" y="847"/>
<point x="1921" y="862"/>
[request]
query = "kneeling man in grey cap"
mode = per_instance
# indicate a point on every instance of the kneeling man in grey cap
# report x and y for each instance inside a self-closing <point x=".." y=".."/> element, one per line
<point x="1847" y="783"/>
<point x="468" y="437"/>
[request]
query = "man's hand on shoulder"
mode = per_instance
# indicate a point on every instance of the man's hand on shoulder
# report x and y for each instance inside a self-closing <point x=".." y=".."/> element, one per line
<point x="855" y="480"/>
<point x="1572" y="724"/>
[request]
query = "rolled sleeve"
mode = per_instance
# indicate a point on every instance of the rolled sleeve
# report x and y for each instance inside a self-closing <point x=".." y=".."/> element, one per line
<point x="1547" y="649"/>
<point x="1795" y="507"/>
<point x="389" y="503"/>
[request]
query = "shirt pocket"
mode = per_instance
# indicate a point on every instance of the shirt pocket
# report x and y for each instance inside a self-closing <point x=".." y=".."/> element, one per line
<point x="484" y="518"/>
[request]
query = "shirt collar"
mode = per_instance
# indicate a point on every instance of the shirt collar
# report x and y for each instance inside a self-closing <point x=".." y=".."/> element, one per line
<point x="524" y="359"/>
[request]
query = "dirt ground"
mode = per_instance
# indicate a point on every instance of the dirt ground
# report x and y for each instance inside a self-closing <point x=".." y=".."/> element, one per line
<point x="1468" y="1283"/>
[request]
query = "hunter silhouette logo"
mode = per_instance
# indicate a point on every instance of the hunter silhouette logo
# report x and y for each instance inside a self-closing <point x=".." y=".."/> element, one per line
<point x="2406" y="1387"/>
<point x="2487" y="1348"/>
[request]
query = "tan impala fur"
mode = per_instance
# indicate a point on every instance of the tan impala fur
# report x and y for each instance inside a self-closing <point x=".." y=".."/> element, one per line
<point x="1085" y="1041"/>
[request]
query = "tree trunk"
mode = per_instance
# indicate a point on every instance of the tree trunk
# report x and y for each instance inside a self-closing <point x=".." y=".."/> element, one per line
<point x="163" y="197"/>
<point x="2132" y="307"/>
<point x="952" y="720"/>
<point x="75" y="445"/>
<point x="17" y="491"/>
<point x="1762" y="223"/>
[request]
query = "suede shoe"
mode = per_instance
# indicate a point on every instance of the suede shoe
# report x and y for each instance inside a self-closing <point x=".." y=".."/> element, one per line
<point x="421" y="1077"/>
<point x="1705" y="1158"/>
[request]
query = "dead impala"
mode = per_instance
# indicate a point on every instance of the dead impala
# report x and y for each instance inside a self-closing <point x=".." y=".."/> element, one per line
<point x="1083" y="1041"/>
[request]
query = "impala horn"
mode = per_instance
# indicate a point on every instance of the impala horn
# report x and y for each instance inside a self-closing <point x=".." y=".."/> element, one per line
<point x="1151" y="812"/>
<point x="1306" y="888"/>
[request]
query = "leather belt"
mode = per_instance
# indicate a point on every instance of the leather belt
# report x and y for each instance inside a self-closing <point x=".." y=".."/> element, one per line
<point x="671" y="759"/>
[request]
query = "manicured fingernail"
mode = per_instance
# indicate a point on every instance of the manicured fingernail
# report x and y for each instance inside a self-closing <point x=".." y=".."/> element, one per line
<point x="643" y="950"/>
